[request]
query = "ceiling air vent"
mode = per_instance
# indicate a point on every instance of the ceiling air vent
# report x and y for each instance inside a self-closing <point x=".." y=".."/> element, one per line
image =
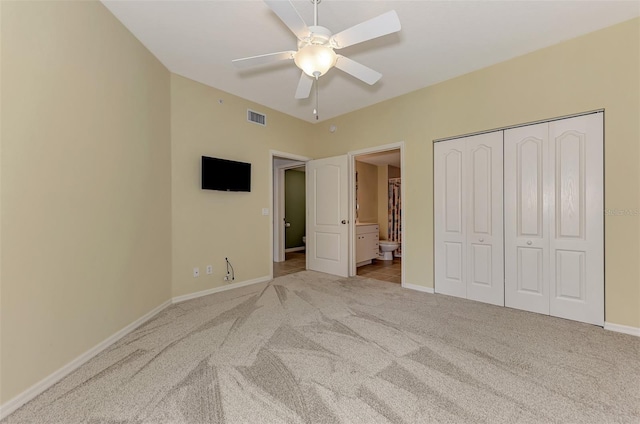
<point x="256" y="118"/>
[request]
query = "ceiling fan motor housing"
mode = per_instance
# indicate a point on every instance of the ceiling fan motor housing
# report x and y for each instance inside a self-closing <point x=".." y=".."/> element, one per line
<point x="317" y="35"/>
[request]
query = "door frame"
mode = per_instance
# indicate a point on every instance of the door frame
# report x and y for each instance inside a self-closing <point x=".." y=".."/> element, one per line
<point x="276" y="196"/>
<point x="281" y="188"/>
<point x="352" y="202"/>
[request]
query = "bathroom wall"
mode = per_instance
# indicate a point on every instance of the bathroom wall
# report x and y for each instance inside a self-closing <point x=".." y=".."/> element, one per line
<point x="295" y="207"/>
<point x="367" y="192"/>
<point x="383" y="200"/>
<point x="384" y="173"/>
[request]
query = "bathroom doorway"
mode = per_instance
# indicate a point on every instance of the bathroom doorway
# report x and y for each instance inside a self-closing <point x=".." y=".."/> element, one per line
<point x="289" y="213"/>
<point x="377" y="208"/>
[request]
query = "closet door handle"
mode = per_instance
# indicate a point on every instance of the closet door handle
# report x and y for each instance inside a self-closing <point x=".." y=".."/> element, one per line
<point x="481" y="240"/>
<point x="529" y="242"/>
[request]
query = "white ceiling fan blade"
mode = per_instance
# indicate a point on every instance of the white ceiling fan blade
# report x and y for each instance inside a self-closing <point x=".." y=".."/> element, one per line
<point x="357" y="70"/>
<point x="384" y="24"/>
<point x="290" y="16"/>
<point x="263" y="59"/>
<point x="304" y="86"/>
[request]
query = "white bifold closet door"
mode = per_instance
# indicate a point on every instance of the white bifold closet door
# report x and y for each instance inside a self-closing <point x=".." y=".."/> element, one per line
<point x="468" y="196"/>
<point x="527" y="182"/>
<point x="554" y="229"/>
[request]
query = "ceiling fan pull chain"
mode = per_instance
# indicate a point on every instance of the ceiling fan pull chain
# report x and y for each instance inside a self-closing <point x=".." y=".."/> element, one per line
<point x="315" y="111"/>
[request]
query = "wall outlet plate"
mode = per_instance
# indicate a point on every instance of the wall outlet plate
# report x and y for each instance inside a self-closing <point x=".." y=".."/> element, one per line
<point x="209" y="269"/>
<point x="196" y="272"/>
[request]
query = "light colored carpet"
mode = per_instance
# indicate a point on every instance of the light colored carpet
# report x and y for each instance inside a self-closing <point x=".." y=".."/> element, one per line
<point x="312" y="348"/>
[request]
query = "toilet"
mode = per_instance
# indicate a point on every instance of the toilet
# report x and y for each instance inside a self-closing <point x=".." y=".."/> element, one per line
<point x="386" y="249"/>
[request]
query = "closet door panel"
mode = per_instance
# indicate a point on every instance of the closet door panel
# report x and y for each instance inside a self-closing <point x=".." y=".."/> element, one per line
<point x="526" y="189"/>
<point x="484" y="198"/>
<point x="449" y="210"/>
<point x="577" y="229"/>
<point x="530" y="278"/>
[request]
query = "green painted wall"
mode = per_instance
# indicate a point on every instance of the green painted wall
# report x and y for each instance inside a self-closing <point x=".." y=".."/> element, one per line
<point x="294" y="207"/>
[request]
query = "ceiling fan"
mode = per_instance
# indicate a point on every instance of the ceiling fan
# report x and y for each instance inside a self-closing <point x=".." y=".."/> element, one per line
<point x="316" y="45"/>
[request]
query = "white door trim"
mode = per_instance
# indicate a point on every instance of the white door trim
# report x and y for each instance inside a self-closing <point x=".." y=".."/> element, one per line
<point x="275" y="194"/>
<point x="352" y="201"/>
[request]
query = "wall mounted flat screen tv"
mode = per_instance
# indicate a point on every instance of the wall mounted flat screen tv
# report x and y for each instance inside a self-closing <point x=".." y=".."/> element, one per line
<point x="225" y="175"/>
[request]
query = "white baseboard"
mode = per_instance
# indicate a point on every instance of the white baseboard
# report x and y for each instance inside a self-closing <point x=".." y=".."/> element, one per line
<point x="190" y="296"/>
<point x="58" y="375"/>
<point x="418" y="288"/>
<point x="294" y="249"/>
<point x="634" y="331"/>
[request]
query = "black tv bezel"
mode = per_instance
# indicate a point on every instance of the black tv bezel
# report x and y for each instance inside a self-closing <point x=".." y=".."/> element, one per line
<point x="245" y="166"/>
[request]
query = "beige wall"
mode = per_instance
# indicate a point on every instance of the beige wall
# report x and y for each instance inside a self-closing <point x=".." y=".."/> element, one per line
<point x="1" y="397"/>
<point x="394" y="171"/>
<point x="367" y="192"/>
<point x="598" y="70"/>
<point x="86" y="181"/>
<point x="210" y="225"/>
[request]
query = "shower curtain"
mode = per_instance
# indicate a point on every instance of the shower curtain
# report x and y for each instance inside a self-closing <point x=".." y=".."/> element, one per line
<point x="395" y="214"/>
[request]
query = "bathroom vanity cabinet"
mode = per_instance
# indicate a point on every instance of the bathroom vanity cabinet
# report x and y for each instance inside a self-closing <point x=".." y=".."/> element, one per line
<point x="366" y="243"/>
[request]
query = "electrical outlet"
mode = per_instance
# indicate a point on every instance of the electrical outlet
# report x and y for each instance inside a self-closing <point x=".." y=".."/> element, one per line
<point x="209" y="269"/>
<point x="196" y="272"/>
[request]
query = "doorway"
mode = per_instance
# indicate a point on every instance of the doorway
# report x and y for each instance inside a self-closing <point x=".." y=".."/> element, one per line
<point x="331" y="211"/>
<point x="377" y="213"/>
<point x="294" y="223"/>
<point x="288" y="205"/>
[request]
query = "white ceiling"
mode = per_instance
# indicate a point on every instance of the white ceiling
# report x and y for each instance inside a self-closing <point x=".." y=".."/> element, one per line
<point x="438" y="41"/>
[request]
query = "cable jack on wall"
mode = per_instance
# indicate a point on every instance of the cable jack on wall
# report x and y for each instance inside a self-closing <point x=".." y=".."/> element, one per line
<point x="230" y="276"/>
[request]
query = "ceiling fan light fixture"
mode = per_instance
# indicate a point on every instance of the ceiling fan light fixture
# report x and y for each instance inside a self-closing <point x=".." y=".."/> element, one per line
<point x="315" y="60"/>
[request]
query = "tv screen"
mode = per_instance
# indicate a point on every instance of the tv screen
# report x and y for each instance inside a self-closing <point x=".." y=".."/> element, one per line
<point x="225" y="175"/>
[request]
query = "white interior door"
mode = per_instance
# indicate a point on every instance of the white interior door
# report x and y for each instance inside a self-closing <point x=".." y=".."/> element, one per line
<point x="449" y="211"/>
<point x="576" y="219"/>
<point x="484" y="238"/>
<point x="328" y="214"/>
<point x="526" y="180"/>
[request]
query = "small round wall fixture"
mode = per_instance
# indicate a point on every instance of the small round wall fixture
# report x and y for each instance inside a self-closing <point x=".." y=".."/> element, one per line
<point x="332" y="128"/>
